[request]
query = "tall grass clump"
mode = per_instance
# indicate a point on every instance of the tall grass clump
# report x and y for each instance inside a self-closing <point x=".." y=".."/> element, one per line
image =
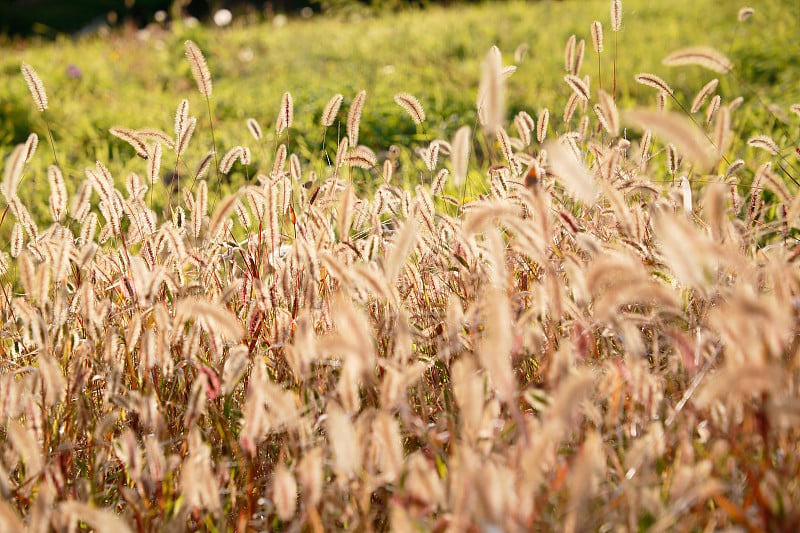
<point x="597" y="329"/>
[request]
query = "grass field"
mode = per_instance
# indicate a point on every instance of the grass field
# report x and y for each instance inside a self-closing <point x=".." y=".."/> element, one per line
<point x="435" y="54"/>
<point x="508" y="323"/>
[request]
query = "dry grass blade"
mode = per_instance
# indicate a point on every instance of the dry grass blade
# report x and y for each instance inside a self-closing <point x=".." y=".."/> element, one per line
<point x="579" y="52"/>
<point x="691" y="255"/>
<point x="222" y="213"/>
<point x="742" y="380"/>
<point x="295" y="168"/>
<point x="183" y="142"/>
<point x="197" y="481"/>
<point x="764" y="142"/>
<point x="354" y="116"/>
<point x="280" y="160"/>
<point x="651" y="80"/>
<point x="130" y="137"/>
<point x="584" y="479"/>
<point x="569" y="54"/>
<point x="508" y="150"/>
<point x="722" y="131"/>
<point x="24" y="442"/>
<point x="181" y="118"/>
<point x="31" y="144"/>
<point x="154" y="164"/>
<point x="661" y="101"/>
<point x="541" y="125"/>
<point x="79" y="208"/>
<point x="735" y="167"/>
<point x="213" y="317"/>
<point x="403" y="244"/>
<point x="469" y="394"/>
<point x="673" y="159"/>
<point x="341" y="152"/>
<point x="284" y="492"/>
<point x="387" y="434"/>
<point x="361" y="157"/>
<point x="616" y="15"/>
<point x="607" y="112"/>
<point x="597" y="36"/>
<point x="713" y="107"/>
<point x="98" y="519"/>
<point x="491" y="94"/>
<point x="388" y="173"/>
<point x="331" y="110"/>
<point x="309" y="472"/>
<point x="422" y="481"/>
<point x="9" y="521"/>
<point x="24" y="217"/>
<point x="578" y="86"/>
<point x="61" y="259"/>
<point x="203" y="165"/>
<point x="701" y="56"/>
<point x="495" y="351"/>
<point x="254" y="128"/>
<point x="676" y="129"/>
<point x="353" y="338"/>
<point x="431" y="155"/>
<point x="17" y="240"/>
<point x="572" y="105"/>
<point x="343" y="441"/>
<point x="286" y="114"/>
<point x="153" y="134"/>
<point x="199" y="67"/>
<point x="707" y="89"/>
<point x="234" y="368"/>
<point x="35" y="86"/>
<point x="230" y="157"/>
<point x="686" y="194"/>
<point x="15" y="164"/>
<point x="601" y="117"/>
<point x="482" y="214"/>
<point x="573" y="173"/>
<point x="525" y="126"/>
<point x="345" y="213"/>
<point x="568" y="397"/>
<point x="412" y="106"/>
<point x="462" y="146"/>
<point x="774" y="183"/>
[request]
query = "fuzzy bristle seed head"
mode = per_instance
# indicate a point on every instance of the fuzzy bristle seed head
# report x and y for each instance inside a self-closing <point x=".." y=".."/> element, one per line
<point x="35" y="86"/>
<point x="199" y="68"/>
